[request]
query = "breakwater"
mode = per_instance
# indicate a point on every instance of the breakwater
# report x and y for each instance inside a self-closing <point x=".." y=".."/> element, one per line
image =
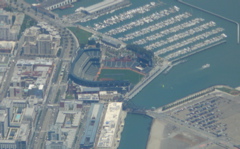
<point x="217" y="15"/>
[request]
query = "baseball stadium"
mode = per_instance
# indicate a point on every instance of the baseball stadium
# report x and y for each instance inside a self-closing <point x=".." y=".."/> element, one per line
<point x="88" y="69"/>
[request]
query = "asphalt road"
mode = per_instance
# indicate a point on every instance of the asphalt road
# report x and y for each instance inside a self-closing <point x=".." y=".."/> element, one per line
<point x="9" y="74"/>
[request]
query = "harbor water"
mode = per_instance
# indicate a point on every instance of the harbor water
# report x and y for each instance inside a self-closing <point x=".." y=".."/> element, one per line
<point x="188" y="77"/>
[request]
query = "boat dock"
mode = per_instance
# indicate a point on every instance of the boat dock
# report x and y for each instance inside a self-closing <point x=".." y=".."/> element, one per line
<point x="185" y="56"/>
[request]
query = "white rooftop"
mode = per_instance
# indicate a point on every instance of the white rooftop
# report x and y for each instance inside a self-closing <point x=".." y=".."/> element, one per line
<point x="109" y="127"/>
<point x="88" y="97"/>
<point x="101" y="5"/>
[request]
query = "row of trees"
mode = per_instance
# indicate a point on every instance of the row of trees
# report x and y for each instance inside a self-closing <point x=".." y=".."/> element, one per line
<point x="145" y="57"/>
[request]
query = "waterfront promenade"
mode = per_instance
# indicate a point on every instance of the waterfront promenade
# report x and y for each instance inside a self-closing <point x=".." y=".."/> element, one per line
<point x="152" y="75"/>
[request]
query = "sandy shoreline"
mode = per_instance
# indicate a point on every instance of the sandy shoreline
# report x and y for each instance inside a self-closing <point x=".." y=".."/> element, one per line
<point x="156" y="133"/>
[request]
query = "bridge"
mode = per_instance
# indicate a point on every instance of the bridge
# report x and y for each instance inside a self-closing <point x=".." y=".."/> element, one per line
<point x="130" y="107"/>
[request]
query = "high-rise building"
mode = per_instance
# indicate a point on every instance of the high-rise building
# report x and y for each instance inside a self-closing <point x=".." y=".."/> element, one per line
<point x="7" y="106"/>
<point x="30" y="48"/>
<point x="5" y="17"/>
<point x="31" y="34"/>
<point x="3" y="123"/>
<point x="44" y="44"/>
<point x="9" y="29"/>
<point x="4" y="31"/>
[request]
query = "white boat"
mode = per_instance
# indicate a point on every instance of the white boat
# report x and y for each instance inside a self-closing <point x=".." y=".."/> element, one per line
<point x="205" y="66"/>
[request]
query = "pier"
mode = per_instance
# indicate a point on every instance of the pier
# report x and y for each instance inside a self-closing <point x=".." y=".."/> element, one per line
<point x="203" y="49"/>
<point x="219" y="16"/>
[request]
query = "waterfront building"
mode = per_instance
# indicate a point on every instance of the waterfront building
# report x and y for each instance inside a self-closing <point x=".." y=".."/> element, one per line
<point x="110" y="126"/>
<point x="104" y="6"/>
<point x="54" y="4"/>
<point x="93" y="120"/>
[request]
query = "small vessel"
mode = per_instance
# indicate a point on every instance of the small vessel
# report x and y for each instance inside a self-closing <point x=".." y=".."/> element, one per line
<point x="205" y="66"/>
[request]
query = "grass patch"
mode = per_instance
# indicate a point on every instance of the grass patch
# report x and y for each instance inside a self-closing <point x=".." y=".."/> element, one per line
<point x="27" y="22"/>
<point x="70" y="96"/>
<point x="229" y="90"/>
<point x="8" y="8"/>
<point x="120" y="74"/>
<point x="81" y="35"/>
<point x="58" y="96"/>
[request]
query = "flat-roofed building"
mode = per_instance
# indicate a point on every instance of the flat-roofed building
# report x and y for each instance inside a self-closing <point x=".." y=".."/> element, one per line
<point x="110" y="125"/>
<point x="56" y="145"/>
<point x="71" y="105"/>
<point x="68" y="119"/>
<point x="30" y="48"/>
<point x="88" y="98"/>
<point x="44" y="44"/>
<point x="17" y="138"/>
<point x="63" y="133"/>
<point x="3" y="123"/>
<point x="8" y="30"/>
<point x="104" y="6"/>
<point x="7" y="106"/>
<point x="42" y="40"/>
<point x="93" y="119"/>
<point x="6" y="47"/>
<point x="108" y="95"/>
<point x="31" y="34"/>
<point x="54" y="4"/>
<point x="5" y="17"/>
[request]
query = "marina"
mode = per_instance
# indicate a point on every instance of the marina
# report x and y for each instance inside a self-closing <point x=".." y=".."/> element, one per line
<point x="170" y="33"/>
